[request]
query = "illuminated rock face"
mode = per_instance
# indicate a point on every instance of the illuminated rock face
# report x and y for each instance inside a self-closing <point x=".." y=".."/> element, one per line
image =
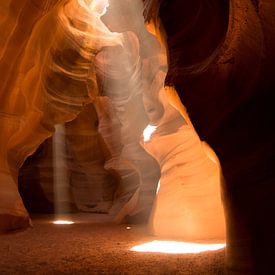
<point x="188" y="204"/>
<point x="17" y="22"/>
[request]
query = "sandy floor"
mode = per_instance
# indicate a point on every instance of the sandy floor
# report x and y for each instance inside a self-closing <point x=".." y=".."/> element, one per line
<point x="93" y="247"/>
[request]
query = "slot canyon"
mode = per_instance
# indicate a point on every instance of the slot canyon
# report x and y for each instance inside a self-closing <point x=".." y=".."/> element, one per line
<point x="129" y="128"/>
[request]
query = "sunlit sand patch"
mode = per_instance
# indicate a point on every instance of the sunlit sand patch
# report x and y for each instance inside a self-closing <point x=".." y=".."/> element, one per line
<point x="174" y="247"/>
<point x="63" y="222"/>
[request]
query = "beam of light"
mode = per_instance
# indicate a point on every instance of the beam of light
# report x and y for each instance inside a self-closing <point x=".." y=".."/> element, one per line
<point x="65" y="222"/>
<point x="173" y="247"/>
<point x="148" y="131"/>
<point x="61" y="180"/>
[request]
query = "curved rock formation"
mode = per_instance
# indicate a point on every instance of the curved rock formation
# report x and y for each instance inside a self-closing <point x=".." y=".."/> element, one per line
<point x="188" y="203"/>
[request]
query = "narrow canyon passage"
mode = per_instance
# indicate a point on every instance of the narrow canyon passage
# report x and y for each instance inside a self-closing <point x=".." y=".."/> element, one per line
<point x="81" y="80"/>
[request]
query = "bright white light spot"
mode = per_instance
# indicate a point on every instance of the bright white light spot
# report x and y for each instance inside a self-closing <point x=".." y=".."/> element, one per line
<point x="173" y="247"/>
<point x="148" y="131"/>
<point x="128" y="227"/>
<point x="99" y="6"/>
<point x="105" y="9"/>
<point x="63" y="222"/>
<point x="158" y="187"/>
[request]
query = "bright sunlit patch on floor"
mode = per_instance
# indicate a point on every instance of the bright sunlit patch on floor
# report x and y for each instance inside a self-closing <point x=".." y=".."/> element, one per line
<point x="148" y="131"/>
<point x="172" y="247"/>
<point x="63" y="222"/>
